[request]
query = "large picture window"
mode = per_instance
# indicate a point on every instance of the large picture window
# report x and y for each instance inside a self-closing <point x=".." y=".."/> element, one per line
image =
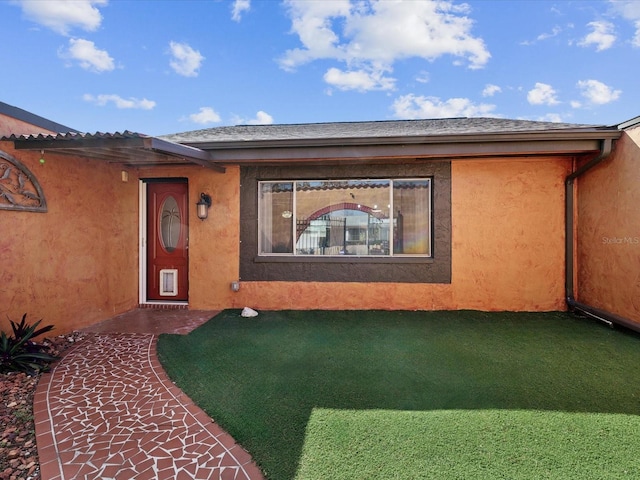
<point x="346" y="223"/>
<point x="380" y="218"/>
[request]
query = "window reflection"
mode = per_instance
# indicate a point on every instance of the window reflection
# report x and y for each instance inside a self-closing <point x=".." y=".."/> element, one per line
<point x="346" y="217"/>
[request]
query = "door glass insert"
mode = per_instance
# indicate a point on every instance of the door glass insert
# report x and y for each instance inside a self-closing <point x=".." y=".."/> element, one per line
<point x="170" y="224"/>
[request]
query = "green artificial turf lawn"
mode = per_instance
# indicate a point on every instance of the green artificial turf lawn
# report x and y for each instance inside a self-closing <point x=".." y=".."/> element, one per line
<point x="409" y="395"/>
<point x="469" y="444"/>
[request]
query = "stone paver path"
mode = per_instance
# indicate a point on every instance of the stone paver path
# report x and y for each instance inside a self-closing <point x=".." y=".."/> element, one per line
<point x="108" y="411"/>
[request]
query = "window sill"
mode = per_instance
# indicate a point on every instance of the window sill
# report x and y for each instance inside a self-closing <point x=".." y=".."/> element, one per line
<point x="341" y="259"/>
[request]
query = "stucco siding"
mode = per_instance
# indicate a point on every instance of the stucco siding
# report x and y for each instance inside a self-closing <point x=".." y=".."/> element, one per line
<point x="507" y="249"/>
<point x="77" y="263"/>
<point x="608" y="231"/>
<point x="508" y="234"/>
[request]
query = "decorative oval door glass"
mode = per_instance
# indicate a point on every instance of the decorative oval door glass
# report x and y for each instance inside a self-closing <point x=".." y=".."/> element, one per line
<point x="170" y="224"/>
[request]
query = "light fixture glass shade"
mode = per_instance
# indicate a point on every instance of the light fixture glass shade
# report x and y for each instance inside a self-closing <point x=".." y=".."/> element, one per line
<point x="203" y="210"/>
<point x="202" y="207"/>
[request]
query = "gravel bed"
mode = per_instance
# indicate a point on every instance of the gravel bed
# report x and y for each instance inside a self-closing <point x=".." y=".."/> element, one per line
<point x="18" y="452"/>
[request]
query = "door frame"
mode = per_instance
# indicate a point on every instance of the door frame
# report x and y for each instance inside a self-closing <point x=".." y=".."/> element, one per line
<point x="142" y="243"/>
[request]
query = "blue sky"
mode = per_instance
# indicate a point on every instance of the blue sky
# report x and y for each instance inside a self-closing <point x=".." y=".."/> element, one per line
<point x="160" y="67"/>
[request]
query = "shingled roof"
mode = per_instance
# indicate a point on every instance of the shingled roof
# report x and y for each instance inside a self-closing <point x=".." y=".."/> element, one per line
<point x="395" y="140"/>
<point x="335" y="143"/>
<point x="377" y="129"/>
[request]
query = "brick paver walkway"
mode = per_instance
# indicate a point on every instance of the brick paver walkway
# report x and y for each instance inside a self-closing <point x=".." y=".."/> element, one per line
<point x="108" y="411"/>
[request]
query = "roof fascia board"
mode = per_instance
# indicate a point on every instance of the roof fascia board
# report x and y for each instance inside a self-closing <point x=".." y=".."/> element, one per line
<point x="176" y="149"/>
<point x="528" y="137"/>
<point x="76" y="143"/>
<point x="462" y="150"/>
<point x="195" y="155"/>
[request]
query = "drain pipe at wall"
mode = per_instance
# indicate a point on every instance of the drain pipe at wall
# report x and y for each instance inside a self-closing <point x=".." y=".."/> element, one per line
<point x="610" y="319"/>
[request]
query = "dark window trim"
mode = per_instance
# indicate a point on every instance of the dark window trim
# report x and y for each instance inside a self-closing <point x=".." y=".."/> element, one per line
<point x="284" y="258"/>
<point x="397" y="269"/>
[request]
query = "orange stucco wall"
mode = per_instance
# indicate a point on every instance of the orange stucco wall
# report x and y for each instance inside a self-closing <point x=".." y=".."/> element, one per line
<point x="507" y="249"/>
<point x="9" y="126"/>
<point x="608" y="231"/>
<point x="77" y="263"/>
<point x="214" y="243"/>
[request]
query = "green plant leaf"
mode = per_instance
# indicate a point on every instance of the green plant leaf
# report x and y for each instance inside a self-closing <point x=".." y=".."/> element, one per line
<point x="19" y="352"/>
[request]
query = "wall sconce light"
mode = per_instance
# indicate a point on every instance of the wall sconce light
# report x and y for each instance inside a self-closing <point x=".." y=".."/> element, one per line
<point x="235" y="286"/>
<point x="203" y="206"/>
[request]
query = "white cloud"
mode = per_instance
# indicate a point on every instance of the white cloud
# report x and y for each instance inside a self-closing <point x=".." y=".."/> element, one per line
<point x="597" y="92"/>
<point x="542" y="94"/>
<point x="359" y="80"/>
<point x="544" y="36"/>
<point x="551" y="117"/>
<point x="311" y="21"/>
<point x="119" y="102"/>
<point x="602" y="36"/>
<point x="186" y="61"/>
<point x="423" y="77"/>
<point x="62" y="15"/>
<point x="630" y="10"/>
<point x="371" y="35"/>
<point x="205" y="115"/>
<point x="238" y="7"/>
<point x="413" y="106"/>
<point x="261" y="118"/>
<point x="88" y="56"/>
<point x="490" y="90"/>
<point x="555" y="31"/>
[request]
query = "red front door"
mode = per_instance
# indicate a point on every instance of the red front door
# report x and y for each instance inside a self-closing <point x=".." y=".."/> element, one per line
<point x="167" y="241"/>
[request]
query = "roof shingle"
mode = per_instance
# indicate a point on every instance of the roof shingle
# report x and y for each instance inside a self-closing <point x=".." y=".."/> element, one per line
<point x="376" y="129"/>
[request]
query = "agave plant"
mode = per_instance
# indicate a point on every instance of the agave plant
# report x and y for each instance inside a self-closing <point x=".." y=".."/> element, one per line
<point x="19" y="352"/>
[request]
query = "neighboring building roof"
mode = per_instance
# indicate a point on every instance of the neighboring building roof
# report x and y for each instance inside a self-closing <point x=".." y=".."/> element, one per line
<point x="632" y="123"/>
<point x="378" y="129"/>
<point x="33" y="119"/>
